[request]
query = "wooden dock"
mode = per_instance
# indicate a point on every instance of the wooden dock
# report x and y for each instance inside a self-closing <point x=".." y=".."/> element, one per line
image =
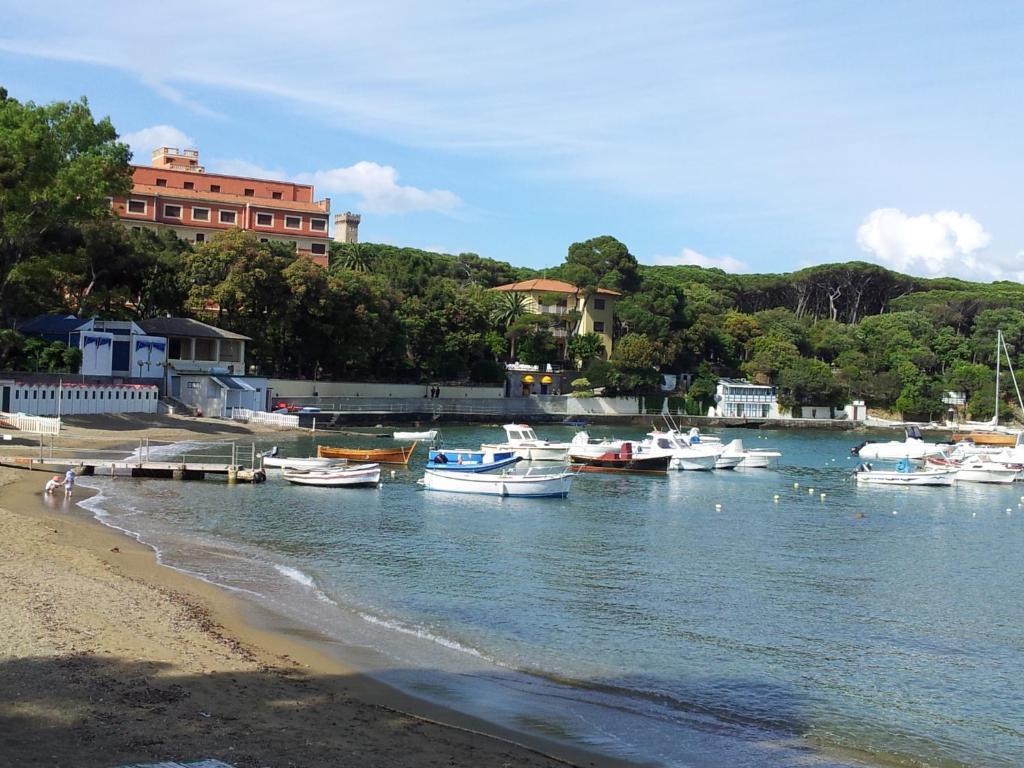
<point x="188" y="470"/>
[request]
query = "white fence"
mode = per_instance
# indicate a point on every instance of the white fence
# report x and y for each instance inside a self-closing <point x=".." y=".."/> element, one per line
<point x="287" y="420"/>
<point x="39" y="425"/>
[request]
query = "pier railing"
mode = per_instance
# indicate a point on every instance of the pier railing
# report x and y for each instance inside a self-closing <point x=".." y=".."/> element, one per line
<point x="37" y="425"/>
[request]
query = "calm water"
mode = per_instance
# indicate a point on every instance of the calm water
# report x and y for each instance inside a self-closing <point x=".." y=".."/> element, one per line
<point x="877" y="626"/>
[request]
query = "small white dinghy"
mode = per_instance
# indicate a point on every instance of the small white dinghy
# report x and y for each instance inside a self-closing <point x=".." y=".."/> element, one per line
<point x="281" y="462"/>
<point x="905" y="475"/>
<point x="428" y="435"/>
<point x="534" y="483"/>
<point x="355" y="476"/>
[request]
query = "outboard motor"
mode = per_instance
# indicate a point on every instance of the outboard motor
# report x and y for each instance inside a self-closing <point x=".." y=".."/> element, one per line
<point x="856" y="449"/>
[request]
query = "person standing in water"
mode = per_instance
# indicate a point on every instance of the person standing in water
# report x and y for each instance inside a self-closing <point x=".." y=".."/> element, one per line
<point x="69" y="482"/>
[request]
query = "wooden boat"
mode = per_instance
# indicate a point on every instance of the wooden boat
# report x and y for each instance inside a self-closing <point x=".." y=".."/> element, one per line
<point x="362" y="475"/>
<point x="428" y="435"/>
<point x="534" y="483"/>
<point x="622" y="460"/>
<point x="978" y="437"/>
<point x="455" y="460"/>
<point x="378" y="455"/>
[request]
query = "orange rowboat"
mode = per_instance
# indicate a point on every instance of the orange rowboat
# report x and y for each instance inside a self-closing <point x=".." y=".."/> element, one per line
<point x="987" y="438"/>
<point x="375" y="455"/>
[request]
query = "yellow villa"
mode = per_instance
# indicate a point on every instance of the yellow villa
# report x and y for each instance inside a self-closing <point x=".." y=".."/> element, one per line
<point x="593" y="314"/>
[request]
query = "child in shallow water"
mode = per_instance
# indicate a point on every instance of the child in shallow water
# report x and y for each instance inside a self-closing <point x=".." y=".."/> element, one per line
<point x="52" y="484"/>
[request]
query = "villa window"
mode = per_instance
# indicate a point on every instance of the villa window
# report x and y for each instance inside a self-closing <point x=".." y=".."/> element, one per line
<point x="137" y="206"/>
<point x="189" y="185"/>
<point x="318" y="248"/>
<point x="276" y="195"/>
<point x="228" y="217"/>
<point x="293" y="222"/>
<point x="161" y="182"/>
<point x="598" y="303"/>
<point x="318" y="225"/>
<point x="264" y="219"/>
<point x="215" y="187"/>
<point x="599" y="327"/>
<point x="200" y="214"/>
<point x="249" y="192"/>
<point x="172" y="211"/>
<point x="200" y="237"/>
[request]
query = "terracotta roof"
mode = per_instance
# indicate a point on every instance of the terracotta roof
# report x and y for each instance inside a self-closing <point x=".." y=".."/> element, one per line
<point x="551" y="286"/>
<point x="220" y="197"/>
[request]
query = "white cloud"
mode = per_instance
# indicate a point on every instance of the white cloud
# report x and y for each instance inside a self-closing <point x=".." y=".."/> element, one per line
<point x="146" y="140"/>
<point x="379" y="189"/>
<point x="945" y="243"/>
<point x="690" y="256"/>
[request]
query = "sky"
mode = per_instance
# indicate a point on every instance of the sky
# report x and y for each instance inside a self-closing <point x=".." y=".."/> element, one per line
<point x="751" y="136"/>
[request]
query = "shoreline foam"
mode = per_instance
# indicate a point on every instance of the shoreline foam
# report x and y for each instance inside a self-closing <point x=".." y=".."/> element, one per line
<point x="110" y="559"/>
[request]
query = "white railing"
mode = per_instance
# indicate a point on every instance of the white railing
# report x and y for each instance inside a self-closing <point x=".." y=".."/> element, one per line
<point x="40" y="425"/>
<point x="262" y="417"/>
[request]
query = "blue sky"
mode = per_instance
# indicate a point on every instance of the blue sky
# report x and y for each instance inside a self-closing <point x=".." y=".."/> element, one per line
<point x="760" y="137"/>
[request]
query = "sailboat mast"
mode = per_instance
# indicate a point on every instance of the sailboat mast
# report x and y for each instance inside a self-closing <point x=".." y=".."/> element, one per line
<point x="999" y="346"/>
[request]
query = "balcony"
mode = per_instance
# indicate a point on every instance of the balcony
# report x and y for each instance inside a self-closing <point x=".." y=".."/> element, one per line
<point x="552" y="309"/>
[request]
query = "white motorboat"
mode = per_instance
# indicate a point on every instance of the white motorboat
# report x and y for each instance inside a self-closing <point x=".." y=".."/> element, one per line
<point x="978" y="469"/>
<point x="535" y="482"/>
<point x="906" y="475"/>
<point x="683" y="455"/>
<point x="357" y="475"/>
<point x="913" y="447"/>
<point x="524" y="441"/>
<point x="429" y="435"/>
<point x="583" y="446"/>
<point x="281" y="462"/>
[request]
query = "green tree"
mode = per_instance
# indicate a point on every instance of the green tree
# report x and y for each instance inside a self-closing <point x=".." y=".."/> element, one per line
<point x="585" y="347"/>
<point x="58" y="167"/>
<point x="768" y="356"/>
<point x="509" y="307"/>
<point x="808" y="382"/>
<point x="601" y="262"/>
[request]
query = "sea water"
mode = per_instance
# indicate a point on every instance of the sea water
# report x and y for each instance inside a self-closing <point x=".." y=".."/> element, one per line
<point x="686" y="619"/>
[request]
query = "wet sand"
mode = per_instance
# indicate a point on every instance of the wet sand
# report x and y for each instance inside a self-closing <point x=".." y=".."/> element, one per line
<point x="107" y="658"/>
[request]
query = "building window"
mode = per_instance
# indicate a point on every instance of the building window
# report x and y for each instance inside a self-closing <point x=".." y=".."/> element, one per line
<point x="264" y="219"/>
<point x="189" y="185"/>
<point x="318" y="225"/>
<point x="204" y="349"/>
<point x="318" y="248"/>
<point x="293" y="222"/>
<point x="137" y="206"/>
<point x="136" y="229"/>
<point x="161" y="182"/>
<point x="264" y="240"/>
<point x="249" y="192"/>
<point x="200" y="237"/>
<point x="598" y="303"/>
<point x="200" y="214"/>
<point x="228" y="217"/>
<point x="215" y="187"/>
<point x="172" y="211"/>
<point x="598" y="327"/>
<point x="276" y="195"/>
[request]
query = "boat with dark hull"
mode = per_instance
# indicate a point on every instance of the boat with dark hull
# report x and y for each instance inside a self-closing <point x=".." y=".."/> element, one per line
<point x="622" y="459"/>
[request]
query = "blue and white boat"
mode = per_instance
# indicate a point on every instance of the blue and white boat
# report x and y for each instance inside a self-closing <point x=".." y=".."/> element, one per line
<point x="457" y="460"/>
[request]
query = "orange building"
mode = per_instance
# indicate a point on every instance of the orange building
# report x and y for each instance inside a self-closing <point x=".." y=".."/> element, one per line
<point x="176" y="193"/>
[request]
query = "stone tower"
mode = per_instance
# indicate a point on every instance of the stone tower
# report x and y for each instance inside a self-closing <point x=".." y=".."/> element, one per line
<point x="346" y="227"/>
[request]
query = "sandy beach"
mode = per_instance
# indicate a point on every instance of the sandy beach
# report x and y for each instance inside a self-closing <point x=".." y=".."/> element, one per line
<point x="108" y="658"/>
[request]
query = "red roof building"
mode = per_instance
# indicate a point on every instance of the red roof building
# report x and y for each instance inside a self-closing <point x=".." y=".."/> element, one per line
<point x="175" y="192"/>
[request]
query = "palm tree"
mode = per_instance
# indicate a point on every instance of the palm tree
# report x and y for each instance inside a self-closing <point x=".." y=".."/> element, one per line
<point x="510" y="306"/>
<point x="357" y="258"/>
